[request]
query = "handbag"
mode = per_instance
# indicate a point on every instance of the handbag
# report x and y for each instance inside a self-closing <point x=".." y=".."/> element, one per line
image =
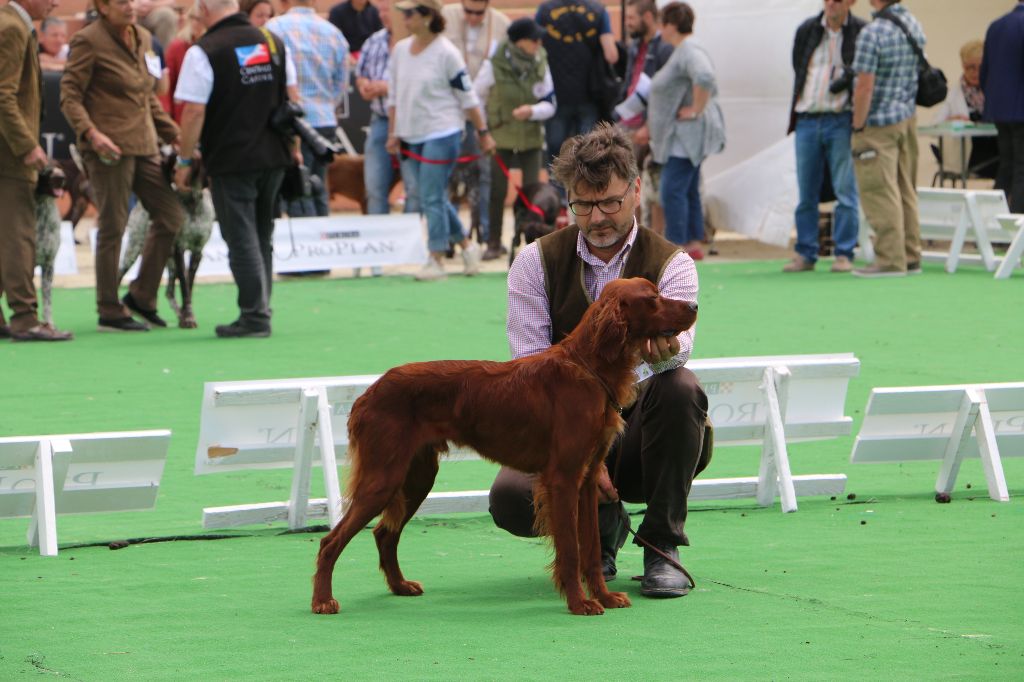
<point x="931" y="82"/>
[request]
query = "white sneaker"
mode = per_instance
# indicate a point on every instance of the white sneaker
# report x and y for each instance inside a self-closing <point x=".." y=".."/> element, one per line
<point x="431" y="271"/>
<point x="471" y="256"/>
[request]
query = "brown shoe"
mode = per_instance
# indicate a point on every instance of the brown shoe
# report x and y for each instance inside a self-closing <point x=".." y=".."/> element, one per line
<point x="42" y="332"/>
<point x="842" y="264"/>
<point x="878" y="271"/>
<point x="492" y="253"/>
<point x="798" y="264"/>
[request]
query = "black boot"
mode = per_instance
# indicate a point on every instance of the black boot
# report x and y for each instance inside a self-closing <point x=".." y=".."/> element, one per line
<point x="611" y="520"/>
<point x="662" y="579"/>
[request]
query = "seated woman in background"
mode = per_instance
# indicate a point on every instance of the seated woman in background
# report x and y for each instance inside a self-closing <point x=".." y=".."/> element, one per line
<point x="966" y="102"/>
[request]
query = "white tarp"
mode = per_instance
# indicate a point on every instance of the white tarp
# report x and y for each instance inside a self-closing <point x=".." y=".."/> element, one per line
<point x="756" y="197"/>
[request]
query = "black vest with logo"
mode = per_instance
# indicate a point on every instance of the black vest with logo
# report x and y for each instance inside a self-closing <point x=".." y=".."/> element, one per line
<point x="247" y="87"/>
<point x="567" y="294"/>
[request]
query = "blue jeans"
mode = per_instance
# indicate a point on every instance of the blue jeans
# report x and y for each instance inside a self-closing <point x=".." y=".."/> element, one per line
<point x="820" y="140"/>
<point x="426" y="184"/>
<point x="315" y="205"/>
<point x="680" y="200"/>
<point x="569" y="120"/>
<point x="377" y="170"/>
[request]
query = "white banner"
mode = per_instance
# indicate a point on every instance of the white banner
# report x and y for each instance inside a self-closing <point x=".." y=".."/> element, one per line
<point x="304" y="244"/>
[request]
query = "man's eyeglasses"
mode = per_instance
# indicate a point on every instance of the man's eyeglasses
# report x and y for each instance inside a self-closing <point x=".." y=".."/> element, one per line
<point x="474" y="12"/>
<point x="607" y="206"/>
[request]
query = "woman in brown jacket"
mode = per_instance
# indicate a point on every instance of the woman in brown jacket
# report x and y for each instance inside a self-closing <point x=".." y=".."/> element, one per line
<point x="108" y="95"/>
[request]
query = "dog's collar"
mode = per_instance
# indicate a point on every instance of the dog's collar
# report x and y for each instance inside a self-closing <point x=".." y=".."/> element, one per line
<point x="607" y="389"/>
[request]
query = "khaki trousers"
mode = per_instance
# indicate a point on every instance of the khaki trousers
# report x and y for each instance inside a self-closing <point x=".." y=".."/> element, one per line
<point x="885" y="162"/>
<point x="18" y="252"/>
<point x="112" y="186"/>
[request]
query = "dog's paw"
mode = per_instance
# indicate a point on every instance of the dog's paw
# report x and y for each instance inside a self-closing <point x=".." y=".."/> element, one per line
<point x="614" y="600"/>
<point x="587" y="607"/>
<point x="407" y="588"/>
<point x="330" y="606"/>
<point x="187" y="322"/>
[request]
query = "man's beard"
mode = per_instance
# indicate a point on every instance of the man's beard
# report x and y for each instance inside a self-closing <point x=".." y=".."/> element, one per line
<point x="617" y="236"/>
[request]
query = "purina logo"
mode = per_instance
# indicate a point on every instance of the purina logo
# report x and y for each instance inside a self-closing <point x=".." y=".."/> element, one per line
<point x="252" y="55"/>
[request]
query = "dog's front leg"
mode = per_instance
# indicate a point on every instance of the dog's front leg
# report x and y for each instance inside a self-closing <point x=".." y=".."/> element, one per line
<point x="562" y="508"/>
<point x="590" y="548"/>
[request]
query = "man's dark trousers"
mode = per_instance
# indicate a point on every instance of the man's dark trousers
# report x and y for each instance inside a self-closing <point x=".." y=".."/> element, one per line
<point x="246" y="206"/>
<point x="1011" y="164"/>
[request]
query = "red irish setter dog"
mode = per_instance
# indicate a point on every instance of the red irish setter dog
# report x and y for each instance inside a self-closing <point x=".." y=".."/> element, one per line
<point x="554" y="413"/>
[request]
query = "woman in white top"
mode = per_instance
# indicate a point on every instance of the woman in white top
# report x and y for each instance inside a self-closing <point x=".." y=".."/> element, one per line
<point x="429" y="98"/>
<point x="966" y="102"/>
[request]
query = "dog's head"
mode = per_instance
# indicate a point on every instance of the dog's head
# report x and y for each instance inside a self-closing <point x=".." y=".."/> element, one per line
<point x="631" y="310"/>
<point x="51" y="183"/>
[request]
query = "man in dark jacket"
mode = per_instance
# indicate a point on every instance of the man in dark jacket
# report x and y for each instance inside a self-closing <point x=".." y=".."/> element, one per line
<point x="821" y="115"/>
<point x="1002" y="80"/>
<point x="231" y="82"/>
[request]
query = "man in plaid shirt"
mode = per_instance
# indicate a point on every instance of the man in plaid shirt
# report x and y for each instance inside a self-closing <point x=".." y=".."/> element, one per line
<point x="885" y="138"/>
<point x="319" y="51"/>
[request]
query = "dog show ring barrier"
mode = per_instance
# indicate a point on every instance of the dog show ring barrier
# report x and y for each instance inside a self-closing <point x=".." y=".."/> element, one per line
<point x="958" y="216"/>
<point x="286" y="423"/>
<point x="948" y="423"/>
<point x="43" y="476"/>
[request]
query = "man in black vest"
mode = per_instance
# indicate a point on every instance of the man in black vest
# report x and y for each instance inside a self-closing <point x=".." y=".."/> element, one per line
<point x="231" y="82"/>
<point x="551" y="284"/>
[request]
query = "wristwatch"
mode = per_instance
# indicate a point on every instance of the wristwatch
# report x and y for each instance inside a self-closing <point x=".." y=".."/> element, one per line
<point x="483" y="131"/>
<point x="184" y="162"/>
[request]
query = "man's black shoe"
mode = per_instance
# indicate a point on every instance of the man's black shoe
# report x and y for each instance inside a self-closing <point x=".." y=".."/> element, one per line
<point x="662" y="579"/>
<point x="148" y="315"/>
<point x="237" y="330"/>
<point x="5" y="331"/>
<point x="608" y="567"/>
<point x="121" y="324"/>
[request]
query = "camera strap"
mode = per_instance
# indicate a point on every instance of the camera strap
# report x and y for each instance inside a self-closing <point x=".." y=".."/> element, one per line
<point x="272" y="46"/>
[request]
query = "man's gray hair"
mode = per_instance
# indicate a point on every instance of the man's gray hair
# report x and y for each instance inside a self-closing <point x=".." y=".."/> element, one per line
<point x="218" y="5"/>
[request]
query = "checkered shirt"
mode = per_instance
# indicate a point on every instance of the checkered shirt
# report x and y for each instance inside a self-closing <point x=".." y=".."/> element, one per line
<point x="883" y="49"/>
<point x="529" y="316"/>
<point x="319" y="51"/>
<point x="373" y="65"/>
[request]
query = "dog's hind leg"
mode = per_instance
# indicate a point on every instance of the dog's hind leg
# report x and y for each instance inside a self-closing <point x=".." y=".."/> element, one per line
<point x="188" y="320"/>
<point x="371" y="490"/>
<point x="590" y="549"/>
<point x="47" y="287"/>
<point x="175" y="273"/>
<point x="417" y="485"/>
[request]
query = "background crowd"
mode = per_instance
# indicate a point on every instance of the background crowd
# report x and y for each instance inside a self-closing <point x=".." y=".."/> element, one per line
<point x="469" y="82"/>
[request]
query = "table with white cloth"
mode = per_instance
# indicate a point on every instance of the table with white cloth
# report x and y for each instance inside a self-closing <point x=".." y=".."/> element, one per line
<point x="957" y="130"/>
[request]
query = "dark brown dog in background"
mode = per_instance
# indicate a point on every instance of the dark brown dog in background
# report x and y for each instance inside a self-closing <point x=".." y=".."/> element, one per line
<point x="345" y="177"/>
<point x="554" y="413"/>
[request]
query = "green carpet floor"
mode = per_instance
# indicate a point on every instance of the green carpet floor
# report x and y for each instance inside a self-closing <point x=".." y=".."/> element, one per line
<point x="888" y="585"/>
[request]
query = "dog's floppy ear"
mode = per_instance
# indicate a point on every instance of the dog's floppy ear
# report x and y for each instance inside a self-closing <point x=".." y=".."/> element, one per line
<point x="610" y="329"/>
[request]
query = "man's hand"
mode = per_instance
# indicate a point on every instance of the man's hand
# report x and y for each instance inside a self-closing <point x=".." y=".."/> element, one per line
<point x="104" y="147"/>
<point x="642" y="136"/>
<point x="181" y="178"/>
<point x="487" y="143"/>
<point x="393" y="146"/>
<point x="35" y="158"/>
<point x="659" y="349"/>
<point x="606" y="491"/>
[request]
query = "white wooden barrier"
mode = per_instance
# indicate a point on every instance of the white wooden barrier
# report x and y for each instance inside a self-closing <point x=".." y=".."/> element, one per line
<point x="947" y="423"/>
<point x="959" y="216"/>
<point x="769" y="401"/>
<point x="1013" y="227"/>
<point x="43" y="476"/>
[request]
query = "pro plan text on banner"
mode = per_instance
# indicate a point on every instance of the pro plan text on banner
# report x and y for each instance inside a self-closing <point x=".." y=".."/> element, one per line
<point x="305" y="244"/>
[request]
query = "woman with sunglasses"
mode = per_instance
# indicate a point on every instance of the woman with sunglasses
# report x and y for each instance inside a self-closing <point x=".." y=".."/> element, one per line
<point x="429" y="98"/>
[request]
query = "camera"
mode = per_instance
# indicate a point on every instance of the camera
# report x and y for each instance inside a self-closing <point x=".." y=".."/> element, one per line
<point x="287" y="120"/>
<point x="51" y="182"/>
<point x="844" y="81"/>
<point x="299" y="183"/>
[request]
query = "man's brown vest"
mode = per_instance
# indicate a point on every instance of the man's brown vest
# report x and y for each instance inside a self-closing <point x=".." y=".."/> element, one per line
<point x="568" y="298"/>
